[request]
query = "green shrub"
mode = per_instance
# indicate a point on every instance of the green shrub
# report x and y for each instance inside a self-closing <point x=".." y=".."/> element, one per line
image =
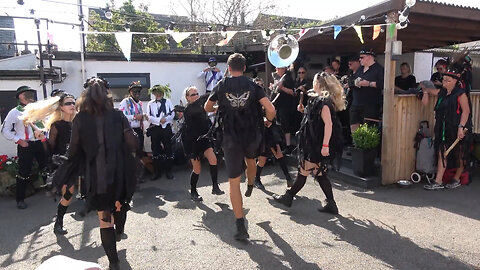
<point x="366" y="137"/>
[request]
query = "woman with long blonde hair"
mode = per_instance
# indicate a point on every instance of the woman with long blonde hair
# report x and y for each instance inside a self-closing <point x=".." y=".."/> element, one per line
<point x="58" y="113"/>
<point x="319" y="138"/>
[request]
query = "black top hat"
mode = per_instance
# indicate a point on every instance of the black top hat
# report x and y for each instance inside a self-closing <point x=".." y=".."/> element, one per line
<point x="22" y="89"/>
<point x="368" y="51"/>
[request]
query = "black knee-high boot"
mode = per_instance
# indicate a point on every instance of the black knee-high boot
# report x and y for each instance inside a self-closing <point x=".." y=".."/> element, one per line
<point x="214" y="174"/>
<point x="193" y="187"/>
<point x="120" y="219"/>
<point x="258" y="182"/>
<point x="109" y="244"/>
<point x="58" y="227"/>
<point x="168" y="167"/>
<point x="330" y="206"/>
<point x="283" y="166"/>
<point x="287" y="198"/>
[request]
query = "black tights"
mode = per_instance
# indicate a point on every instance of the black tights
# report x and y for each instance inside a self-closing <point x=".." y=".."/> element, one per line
<point x="322" y="180"/>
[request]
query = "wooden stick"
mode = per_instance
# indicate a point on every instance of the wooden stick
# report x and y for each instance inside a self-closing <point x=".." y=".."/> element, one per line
<point x="452" y="146"/>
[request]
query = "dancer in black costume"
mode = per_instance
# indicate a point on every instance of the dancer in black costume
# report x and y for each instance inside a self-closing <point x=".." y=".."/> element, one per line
<point x="319" y="138"/>
<point x="60" y="111"/>
<point x="453" y="120"/>
<point x="272" y="140"/>
<point x="99" y="131"/>
<point x="240" y="118"/>
<point x="195" y="126"/>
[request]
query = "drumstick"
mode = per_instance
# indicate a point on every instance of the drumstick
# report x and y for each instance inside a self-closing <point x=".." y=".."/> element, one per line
<point x="452" y="146"/>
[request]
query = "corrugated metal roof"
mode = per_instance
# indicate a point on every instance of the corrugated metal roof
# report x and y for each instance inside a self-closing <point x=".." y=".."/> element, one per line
<point x="449" y="3"/>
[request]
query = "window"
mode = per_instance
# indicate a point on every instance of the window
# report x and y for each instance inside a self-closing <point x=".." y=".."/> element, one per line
<point x="7" y="102"/>
<point x="119" y="83"/>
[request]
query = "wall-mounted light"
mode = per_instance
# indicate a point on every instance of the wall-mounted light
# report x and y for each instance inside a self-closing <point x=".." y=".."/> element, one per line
<point x="127" y="27"/>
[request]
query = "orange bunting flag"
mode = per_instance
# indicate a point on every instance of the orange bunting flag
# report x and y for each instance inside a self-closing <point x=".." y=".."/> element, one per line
<point x="376" y="31"/>
<point x="359" y="32"/>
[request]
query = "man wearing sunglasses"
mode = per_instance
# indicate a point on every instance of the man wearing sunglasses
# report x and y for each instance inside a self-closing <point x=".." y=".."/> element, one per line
<point x="131" y="106"/>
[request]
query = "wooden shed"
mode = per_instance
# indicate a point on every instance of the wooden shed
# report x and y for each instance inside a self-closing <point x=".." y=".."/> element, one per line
<point x="431" y="25"/>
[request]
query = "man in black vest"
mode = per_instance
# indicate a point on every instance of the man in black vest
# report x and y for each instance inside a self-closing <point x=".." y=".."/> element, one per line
<point x="240" y="103"/>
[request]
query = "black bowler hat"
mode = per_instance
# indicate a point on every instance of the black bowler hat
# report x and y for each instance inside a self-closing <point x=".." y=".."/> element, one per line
<point x="368" y="51"/>
<point x="22" y="89"/>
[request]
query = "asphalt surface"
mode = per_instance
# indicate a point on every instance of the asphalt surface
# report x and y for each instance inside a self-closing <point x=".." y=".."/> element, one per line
<point x="383" y="228"/>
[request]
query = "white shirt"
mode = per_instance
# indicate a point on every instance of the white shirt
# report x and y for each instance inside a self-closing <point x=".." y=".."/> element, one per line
<point x="209" y="75"/>
<point x="154" y="114"/>
<point x="13" y="128"/>
<point x="130" y="108"/>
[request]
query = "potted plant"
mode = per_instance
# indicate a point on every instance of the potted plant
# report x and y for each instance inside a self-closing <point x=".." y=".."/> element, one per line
<point x="365" y="140"/>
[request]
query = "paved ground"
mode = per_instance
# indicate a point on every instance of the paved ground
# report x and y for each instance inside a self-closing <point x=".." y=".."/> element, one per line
<point x="387" y="228"/>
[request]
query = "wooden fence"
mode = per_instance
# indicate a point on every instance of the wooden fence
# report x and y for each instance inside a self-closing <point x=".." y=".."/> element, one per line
<point x="409" y="111"/>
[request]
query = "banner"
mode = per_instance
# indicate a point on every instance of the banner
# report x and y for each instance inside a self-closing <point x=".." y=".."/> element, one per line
<point x="124" y="40"/>
<point x="336" y="31"/>
<point x="358" y="29"/>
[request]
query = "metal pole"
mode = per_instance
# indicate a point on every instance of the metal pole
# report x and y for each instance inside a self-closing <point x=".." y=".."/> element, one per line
<point x="82" y="39"/>
<point x="42" y="74"/>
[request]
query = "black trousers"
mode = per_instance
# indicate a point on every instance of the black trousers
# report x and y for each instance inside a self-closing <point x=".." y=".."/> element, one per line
<point x="162" y="142"/>
<point x="26" y="156"/>
<point x="141" y="139"/>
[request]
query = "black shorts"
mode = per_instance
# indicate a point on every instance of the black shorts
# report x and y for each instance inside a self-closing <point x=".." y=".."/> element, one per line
<point x="196" y="149"/>
<point x="359" y="113"/>
<point x="235" y="154"/>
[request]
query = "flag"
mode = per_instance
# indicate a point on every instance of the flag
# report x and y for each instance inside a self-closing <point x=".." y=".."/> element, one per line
<point x="124" y="40"/>
<point x="336" y="31"/>
<point x="225" y="41"/>
<point x="376" y="31"/>
<point x="358" y="29"/>
<point x="180" y="36"/>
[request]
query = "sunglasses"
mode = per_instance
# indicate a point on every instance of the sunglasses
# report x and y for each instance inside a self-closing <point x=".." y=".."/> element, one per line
<point x="136" y="91"/>
<point x="301" y="72"/>
<point x="68" y="103"/>
<point x="192" y="95"/>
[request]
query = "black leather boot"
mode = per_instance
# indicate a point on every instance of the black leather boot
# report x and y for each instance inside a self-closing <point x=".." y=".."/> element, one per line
<point x="157" y="169"/>
<point x="330" y="207"/>
<point x="285" y="199"/>
<point x="242" y="233"/>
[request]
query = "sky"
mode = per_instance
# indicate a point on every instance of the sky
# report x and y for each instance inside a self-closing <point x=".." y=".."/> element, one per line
<point x="68" y="39"/>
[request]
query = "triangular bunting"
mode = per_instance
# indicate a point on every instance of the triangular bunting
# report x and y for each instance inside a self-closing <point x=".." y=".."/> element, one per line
<point x="336" y="30"/>
<point x="179" y="36"/>
<point x="358" y="29"/>
<point x="225" y="41"/>
<point x="302" y="32"/>
<point x="124" y="40"/>
<point x="376" y="31"/>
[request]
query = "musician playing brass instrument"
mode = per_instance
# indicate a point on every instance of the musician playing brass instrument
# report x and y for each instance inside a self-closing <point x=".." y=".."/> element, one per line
<point x="282" y="90"/>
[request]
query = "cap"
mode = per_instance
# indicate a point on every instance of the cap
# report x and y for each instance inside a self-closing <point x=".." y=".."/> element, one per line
<point x="212" y="59"/>
<point x="368" y="51"/>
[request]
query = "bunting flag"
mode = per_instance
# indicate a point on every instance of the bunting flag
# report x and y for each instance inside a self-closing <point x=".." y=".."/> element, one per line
<point x="302" y="32"/>
<point x="225" y="41"/>
<point x="179" y="36"/>
<point x="376" y="31"/>
<point x="336" y="31"/>
<point x="124" y="40"/>
<point x="391" y="30"/>
<point x="264" y="33"/>
<point x="358" y="29"/>
<point x="50" y="37"/>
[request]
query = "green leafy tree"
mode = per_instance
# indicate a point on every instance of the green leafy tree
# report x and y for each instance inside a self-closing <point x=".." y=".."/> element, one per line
<point x="136" y="20"/>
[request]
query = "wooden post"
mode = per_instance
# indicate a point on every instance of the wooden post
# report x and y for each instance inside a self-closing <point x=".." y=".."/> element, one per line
<point x="388" y="156"/>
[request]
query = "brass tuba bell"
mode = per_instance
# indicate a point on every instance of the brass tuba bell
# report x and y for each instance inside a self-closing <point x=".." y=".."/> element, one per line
<point x="283" y="50"/>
